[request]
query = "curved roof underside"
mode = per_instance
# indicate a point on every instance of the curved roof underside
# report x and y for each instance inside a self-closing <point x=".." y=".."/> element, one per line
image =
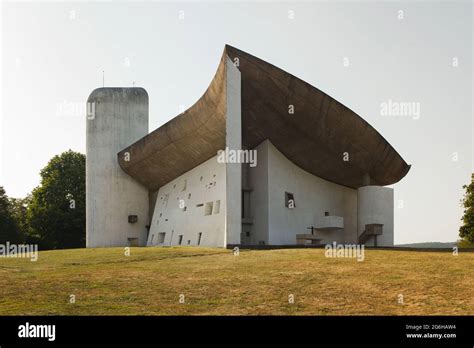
<point x="315" y="137"/>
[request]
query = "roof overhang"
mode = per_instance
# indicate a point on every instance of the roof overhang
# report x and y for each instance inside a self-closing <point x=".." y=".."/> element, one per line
<point x="317" y="137"/>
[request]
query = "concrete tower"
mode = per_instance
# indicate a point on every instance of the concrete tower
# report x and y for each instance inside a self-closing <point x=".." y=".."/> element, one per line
<point x="116" y="205"/>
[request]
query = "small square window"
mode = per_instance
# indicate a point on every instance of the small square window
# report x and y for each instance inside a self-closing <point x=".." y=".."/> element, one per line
<point x="208" y="208"/>
<point x="161" y="237"/>
<point x="217" y="207"/>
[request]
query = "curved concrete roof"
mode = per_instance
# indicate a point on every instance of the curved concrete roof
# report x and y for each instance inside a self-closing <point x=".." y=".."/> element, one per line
<point x="315" y="137"/>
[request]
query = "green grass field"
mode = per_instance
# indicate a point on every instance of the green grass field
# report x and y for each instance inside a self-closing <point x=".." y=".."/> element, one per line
<point x="215" y="282"/>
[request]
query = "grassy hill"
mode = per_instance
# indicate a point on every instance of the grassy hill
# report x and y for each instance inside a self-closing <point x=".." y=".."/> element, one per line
<point x="215" y="282"/>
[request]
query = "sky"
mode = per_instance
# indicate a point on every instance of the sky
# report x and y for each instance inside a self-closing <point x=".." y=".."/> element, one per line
<point x="367" y="55"/>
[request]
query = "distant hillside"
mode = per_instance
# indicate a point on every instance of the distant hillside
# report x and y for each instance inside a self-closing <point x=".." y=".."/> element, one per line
<point x="429" y="245"/>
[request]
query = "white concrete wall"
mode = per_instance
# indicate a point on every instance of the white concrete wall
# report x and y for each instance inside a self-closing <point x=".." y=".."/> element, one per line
<point x="258" y="181"/>
<point x="313" y="196"/>
<point x="233" y="142"/>
<point x="204" y="184"/>
<point x="330" y="222"/>
<point x="375" y="206"/>
<point x="121" y="118"/>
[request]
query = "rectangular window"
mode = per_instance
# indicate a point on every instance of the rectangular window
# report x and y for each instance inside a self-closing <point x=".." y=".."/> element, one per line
<point x="199" y="238"/>
<point x="151" y="240"/>
<point x="217" y="207"/>
<point x="161" y="237"/>
<point x="133" y="242"/>
<point x="208" y="208"/>
<point x="180" y="239"/>
<point x="289" y="200"/>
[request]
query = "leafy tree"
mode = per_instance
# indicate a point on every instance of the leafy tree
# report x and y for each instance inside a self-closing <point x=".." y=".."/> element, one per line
<point x="55" y="216"/>
<point x="19" y="208"/>
<point x="8" y="225"/>
<point x="466" y="231"/>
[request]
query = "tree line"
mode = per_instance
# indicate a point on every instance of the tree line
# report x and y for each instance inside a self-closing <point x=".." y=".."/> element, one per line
<point x="53" y="214"/>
